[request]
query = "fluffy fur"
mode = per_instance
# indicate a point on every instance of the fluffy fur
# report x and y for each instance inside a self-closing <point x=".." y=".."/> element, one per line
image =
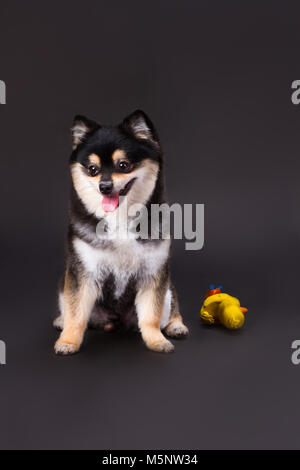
<point x="115" y="282"/>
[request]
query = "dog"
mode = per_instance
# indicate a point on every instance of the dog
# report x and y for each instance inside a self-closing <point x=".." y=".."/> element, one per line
<point x="115" y="282"/>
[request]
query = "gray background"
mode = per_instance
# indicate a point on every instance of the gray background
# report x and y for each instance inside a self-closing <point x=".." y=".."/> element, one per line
<point x="215" y="78"/>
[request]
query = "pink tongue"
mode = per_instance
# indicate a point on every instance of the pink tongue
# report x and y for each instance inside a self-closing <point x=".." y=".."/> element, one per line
<point x="110" y="203"/>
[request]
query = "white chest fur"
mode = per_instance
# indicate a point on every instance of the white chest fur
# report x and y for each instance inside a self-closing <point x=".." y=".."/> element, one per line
<point x="124" y="259"/>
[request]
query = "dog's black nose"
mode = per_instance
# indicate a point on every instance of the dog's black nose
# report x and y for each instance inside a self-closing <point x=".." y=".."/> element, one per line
<point x="106" y="187"/>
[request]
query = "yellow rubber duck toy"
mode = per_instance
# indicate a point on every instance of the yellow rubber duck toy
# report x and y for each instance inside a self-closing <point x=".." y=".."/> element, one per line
<point x="222" y="308"/>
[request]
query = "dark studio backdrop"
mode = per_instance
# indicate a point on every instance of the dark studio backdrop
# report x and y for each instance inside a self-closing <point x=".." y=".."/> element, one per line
<point x="215" y="77"/>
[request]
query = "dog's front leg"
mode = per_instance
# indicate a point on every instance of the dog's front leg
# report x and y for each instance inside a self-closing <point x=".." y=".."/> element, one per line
<point x="149" y="306"/>
<point x="78" y="303"/>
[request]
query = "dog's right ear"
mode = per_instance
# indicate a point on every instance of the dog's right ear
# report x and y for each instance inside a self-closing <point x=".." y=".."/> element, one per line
<point x="81" y="127"/>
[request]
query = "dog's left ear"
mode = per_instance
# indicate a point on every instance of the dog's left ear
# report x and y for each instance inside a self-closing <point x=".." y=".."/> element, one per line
<point x="140" y="126"/>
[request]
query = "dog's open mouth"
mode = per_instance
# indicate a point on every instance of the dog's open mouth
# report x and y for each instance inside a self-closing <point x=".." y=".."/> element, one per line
<point x="111" y="203"/>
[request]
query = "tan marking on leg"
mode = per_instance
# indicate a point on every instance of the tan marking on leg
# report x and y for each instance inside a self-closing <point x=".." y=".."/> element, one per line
<point x="149" y="305"/>
<point x="78" y="305"/>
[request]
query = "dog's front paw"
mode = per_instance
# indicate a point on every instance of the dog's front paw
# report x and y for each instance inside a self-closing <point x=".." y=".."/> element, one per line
<point x="63" y="348"/>
<point x="161" y="346"/>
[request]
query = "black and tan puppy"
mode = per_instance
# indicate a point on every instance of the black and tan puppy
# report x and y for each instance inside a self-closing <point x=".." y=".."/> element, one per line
<point x="116" y="281"/>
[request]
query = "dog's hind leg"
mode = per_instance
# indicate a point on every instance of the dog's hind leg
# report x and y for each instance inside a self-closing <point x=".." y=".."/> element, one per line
<point x="79" y="298"/>
<point x="58" y="323"/>
<point x="175" y="327"/>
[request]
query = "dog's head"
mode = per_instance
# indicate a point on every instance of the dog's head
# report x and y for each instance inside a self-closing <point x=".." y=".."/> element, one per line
<point x="109" y="162"/>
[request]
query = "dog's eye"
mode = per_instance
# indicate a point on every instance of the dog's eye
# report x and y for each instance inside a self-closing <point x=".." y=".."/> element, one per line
<point x="123" y="165"/>
<point x="94" y="170"/>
